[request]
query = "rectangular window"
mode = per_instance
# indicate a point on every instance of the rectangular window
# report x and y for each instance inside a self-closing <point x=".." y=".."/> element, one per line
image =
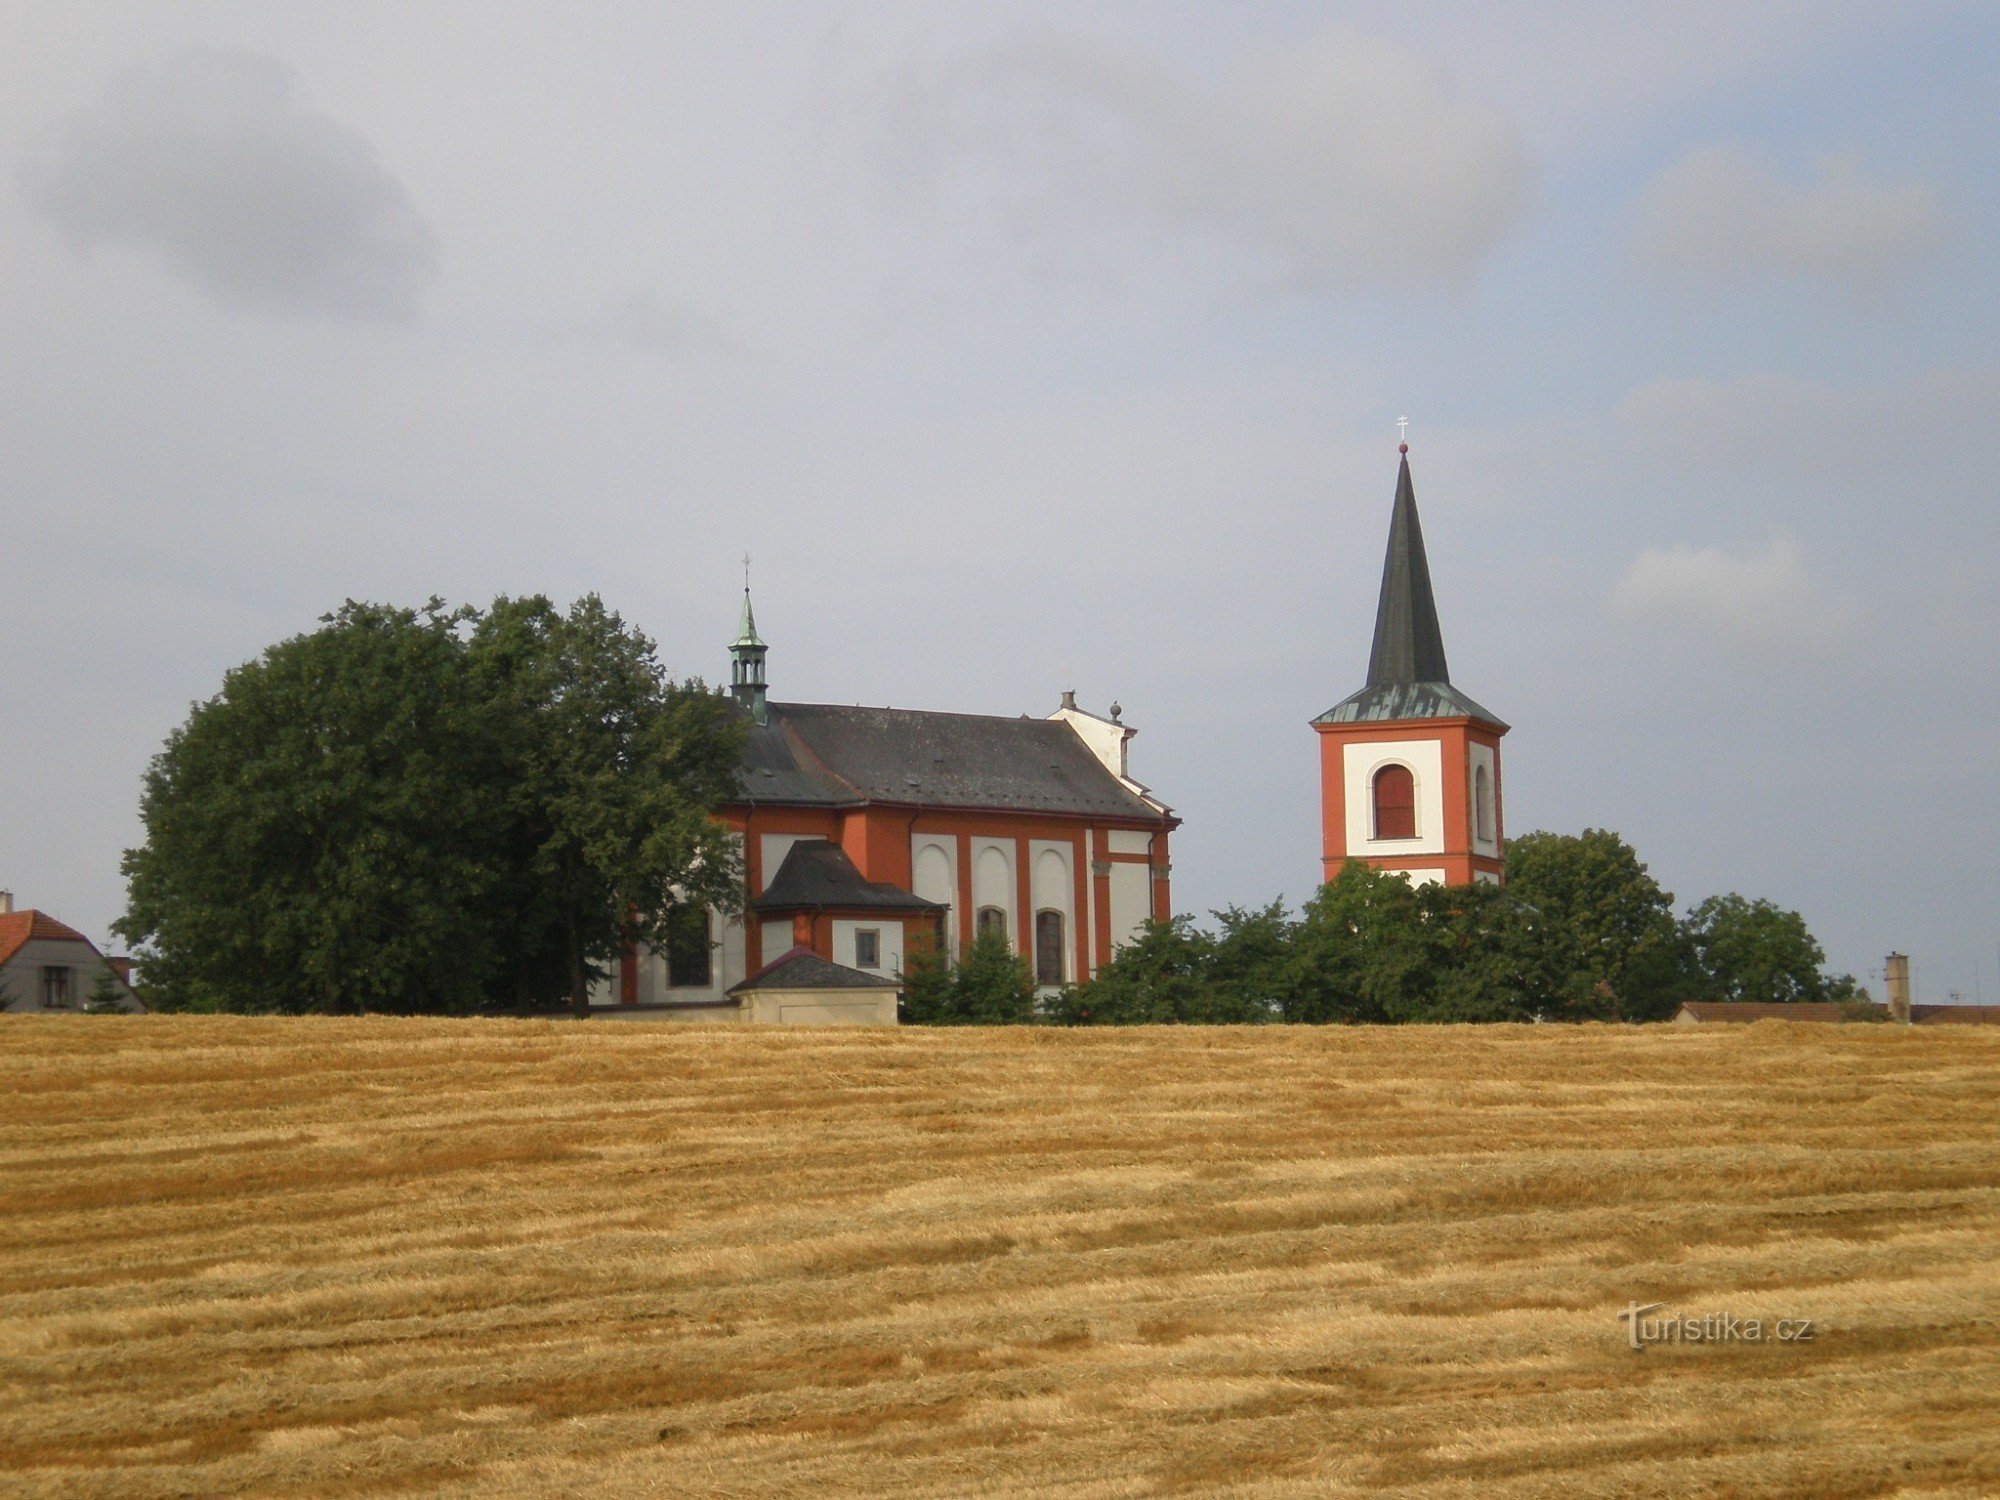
<point x="689" y="954"/>
<point x="1048" y="947"/>
<point x="55" y="988"/>
<point x="868" y="948"/>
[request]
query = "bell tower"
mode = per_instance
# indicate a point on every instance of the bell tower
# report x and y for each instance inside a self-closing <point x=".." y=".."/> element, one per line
<point x="1410" y="766"/>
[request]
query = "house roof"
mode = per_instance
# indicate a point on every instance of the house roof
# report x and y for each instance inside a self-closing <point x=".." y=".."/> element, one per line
<point x="1955" y="1015"/>
<point x="1408" y="677"/>
<point x="19" y="928"/>
<point x="803" y="969"/>
<point x="823" y="754"/>
<point x="1754" y="1010"/>
<point x="817" y="874"/>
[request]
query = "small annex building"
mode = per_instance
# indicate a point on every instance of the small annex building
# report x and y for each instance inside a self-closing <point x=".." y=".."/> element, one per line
<point x="869" y="832"/>
<point x="46" y="965"/>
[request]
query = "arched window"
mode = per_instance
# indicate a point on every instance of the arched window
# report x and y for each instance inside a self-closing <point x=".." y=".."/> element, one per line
<point x="1482" y="805"/>
<point x="1048" y="947"/>
<point x="1395" y="803"/>
<point x="991" y="921"/>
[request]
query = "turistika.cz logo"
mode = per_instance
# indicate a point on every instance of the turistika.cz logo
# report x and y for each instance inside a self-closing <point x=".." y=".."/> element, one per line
<point x="1710" y="1328"/>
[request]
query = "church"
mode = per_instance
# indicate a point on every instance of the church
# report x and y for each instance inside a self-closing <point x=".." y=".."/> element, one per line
<point x="1409" y="765"/>
<point x="869" y="832"/>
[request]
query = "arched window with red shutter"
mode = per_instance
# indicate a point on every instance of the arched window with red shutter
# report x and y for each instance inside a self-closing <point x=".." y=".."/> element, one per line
<point x="1395" y="803"/>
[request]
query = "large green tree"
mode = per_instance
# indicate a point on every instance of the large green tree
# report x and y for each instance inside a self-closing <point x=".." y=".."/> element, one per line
<point x="1757" y="950"/>
<point x="320" y="833"/>
<point x="610" y="774"/>
<point x="1612" y="947"/>
<point x="427" y="810"/>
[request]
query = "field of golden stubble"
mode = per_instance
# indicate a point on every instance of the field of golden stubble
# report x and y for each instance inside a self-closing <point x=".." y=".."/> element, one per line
<point x="264" y="1256"/>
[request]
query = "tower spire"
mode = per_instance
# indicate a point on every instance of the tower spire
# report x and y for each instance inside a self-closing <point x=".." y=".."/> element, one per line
<point x="1408" y="647"/>
<point x="746" y="658"/>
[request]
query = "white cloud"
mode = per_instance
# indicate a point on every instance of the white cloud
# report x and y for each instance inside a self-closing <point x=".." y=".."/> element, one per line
<point x="1723" y="215"/>
<point x="1342" y="161"/>
<point x="1732" y="596"/>
<point x="211" y="160"/>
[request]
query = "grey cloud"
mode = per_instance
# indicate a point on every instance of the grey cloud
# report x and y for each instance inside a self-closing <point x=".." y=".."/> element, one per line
<point x="211" y="159"/>
<point x="1339" y="162"/>
<point x="1723" y="215"/>
<point x="637" y="320"/>
<point x="1751" y="597"/>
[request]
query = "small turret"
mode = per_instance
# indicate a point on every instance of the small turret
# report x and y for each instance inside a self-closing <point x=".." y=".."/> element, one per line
<point x="746" y="664"/>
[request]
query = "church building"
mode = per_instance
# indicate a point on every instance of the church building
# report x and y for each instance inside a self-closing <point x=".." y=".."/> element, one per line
<point x="869" y="832"/>
<point x="1409" y="765"/>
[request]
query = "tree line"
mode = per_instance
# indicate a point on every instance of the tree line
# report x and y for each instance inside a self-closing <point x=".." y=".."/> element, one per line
<point x="1581" y="931"/>
<point x="453" y="810"/>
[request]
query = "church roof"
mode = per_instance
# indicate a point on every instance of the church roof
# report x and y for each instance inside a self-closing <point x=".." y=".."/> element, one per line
<point x="817" y="874"/>
<point x="830" y="755"/>
<point x="1407" y="674"/>
<point x="803" y="969"/>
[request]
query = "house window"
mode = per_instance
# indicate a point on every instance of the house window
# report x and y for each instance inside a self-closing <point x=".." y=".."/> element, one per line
<point x="1395" y="803"/>
<point x="868" y="948"/>
<point x="1482" y="806"/>
<point x="990" y="921"/>
<point x="1048" y="947"/>
<point x="56" y="993"/>
<point x="689" y="955"/>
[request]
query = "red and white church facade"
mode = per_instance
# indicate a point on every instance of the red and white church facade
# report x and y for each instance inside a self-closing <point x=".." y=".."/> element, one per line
<point x="867" y="833"/>
<point x="1409" y="765"/>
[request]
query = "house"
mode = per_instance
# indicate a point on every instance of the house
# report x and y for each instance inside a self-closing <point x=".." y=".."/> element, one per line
<point x="1409" y="765"/>
<point x="868" y="832"/>
<point x="48" y="966"/>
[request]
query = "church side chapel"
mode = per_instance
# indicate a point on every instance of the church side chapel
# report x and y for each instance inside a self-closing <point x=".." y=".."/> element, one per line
<point x="869" y="832"/>
<point x="1409" y="765"/>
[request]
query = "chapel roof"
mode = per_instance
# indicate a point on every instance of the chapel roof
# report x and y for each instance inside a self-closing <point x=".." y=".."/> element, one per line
<point x="816" y="874"/>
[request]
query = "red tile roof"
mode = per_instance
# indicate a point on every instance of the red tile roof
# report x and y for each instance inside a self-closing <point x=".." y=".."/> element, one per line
<point x="1955" y="1015"/>
<point x="19" y="928"/>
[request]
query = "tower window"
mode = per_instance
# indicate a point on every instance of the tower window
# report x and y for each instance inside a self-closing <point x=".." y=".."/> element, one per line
<point x="1482" y="805"/>
<point x="1048" y="947"/>
<point x="1395" y="803"/>
<point x="990" y="921"/>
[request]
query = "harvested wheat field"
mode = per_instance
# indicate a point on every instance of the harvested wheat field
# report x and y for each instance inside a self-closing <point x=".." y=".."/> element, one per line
<point x="264" y="1256"/>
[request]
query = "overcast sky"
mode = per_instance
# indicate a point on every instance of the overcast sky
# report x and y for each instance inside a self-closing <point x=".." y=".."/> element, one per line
<point x="1031" y="347"/>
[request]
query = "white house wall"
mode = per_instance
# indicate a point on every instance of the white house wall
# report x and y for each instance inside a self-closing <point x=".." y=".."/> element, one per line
<point x="891" y="945"/>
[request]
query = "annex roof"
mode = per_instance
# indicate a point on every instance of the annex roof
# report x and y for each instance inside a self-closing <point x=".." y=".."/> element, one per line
<point x="803" y="969"/>
<point x="824" y="754"/>
<point x="817" y="874"/>
<point x="19" y="928"/>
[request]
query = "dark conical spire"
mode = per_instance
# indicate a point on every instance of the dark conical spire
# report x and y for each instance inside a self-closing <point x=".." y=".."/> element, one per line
<point x="1409" y="647"/>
